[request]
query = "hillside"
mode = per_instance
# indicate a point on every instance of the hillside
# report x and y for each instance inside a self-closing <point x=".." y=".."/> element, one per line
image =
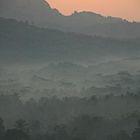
<point x="23" y="42"/>
<point x="39" y="13"/>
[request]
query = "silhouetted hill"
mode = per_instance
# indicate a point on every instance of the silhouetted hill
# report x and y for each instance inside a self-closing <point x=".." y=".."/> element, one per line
<point x="39" y="12"/>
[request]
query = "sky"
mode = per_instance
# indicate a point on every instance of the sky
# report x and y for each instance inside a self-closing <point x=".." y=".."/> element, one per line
<point x="127" y="9"/>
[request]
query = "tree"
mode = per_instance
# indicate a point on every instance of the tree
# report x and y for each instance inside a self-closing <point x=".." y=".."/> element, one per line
<point x="60" y="133"/>
<point x="21" y="125"/>
<point x="2" y="129"/>
<point x="36" y="126"/>
<point x="35" y="130"/>
<point x="16" y="134"/>
<point x="122" y="135"/>
<point x="20" y="132"/>
<point x="136" y="132"/>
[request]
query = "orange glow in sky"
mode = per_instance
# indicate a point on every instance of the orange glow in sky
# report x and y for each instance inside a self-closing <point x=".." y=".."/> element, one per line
<point x="128" y="9"/>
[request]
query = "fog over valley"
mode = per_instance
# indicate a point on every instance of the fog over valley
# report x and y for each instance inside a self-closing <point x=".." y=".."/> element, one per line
<point x="71" y="77"/>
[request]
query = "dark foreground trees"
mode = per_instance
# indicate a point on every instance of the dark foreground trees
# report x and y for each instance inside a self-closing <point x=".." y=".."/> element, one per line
<point x="122" y="135"/>
<point x="71" y="118"/>
<point x="81" y="128"/>
<point x="19" y="132"/>
<point x="16" y="134"/>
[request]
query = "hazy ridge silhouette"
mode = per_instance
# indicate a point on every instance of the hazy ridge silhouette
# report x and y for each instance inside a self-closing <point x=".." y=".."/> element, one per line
<point x="39" y="12"/>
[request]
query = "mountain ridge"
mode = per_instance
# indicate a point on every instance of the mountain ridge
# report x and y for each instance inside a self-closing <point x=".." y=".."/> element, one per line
<point x="23" y="42"/>
<point x="40" y="13"/>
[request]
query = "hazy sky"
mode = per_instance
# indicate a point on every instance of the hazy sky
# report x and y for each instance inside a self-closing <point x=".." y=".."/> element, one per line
<point x="128" y="9"/>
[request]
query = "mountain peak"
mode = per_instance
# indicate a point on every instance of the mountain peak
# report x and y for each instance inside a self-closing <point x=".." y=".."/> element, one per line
<point x="24" y="9"/>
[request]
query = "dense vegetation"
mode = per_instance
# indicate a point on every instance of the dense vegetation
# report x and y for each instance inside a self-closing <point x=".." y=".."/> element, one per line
<point x="75" y="118"/>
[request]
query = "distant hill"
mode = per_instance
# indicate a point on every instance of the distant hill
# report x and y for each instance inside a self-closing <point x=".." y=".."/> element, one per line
<point x="36" y="12"/>
<point x="20" y="41"/>
<point x="39" y="12"/>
